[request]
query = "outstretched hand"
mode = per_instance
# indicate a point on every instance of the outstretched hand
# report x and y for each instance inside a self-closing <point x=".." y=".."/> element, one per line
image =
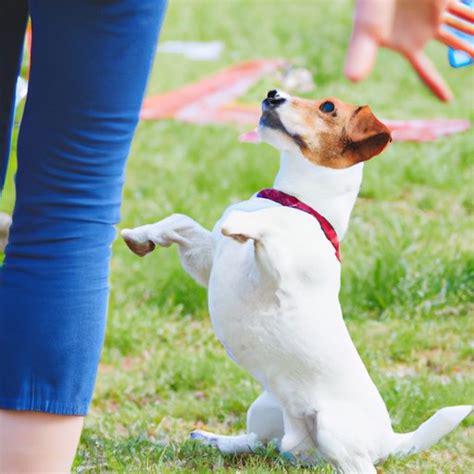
<point x="406" y="26"/>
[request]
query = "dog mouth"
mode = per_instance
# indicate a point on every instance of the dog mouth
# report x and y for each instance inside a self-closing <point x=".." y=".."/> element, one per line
<point x="271" y="119"/>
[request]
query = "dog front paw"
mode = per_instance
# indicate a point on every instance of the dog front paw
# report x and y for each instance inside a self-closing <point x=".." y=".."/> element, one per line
<point x="135" y="245"/>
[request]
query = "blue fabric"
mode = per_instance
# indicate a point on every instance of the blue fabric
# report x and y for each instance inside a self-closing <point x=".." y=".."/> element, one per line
<point x="90" y="64"/>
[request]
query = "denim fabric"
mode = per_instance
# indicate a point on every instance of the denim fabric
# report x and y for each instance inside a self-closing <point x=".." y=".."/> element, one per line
<point x="90" y="63"/>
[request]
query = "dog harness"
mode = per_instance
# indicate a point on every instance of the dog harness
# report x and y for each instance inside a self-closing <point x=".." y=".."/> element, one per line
<point x="290" y="201"/>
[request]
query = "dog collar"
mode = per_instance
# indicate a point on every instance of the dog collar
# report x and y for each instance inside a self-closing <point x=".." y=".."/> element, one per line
<point x="290" y="201"/>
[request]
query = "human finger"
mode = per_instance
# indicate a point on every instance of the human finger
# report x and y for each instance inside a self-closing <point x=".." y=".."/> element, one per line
<point x="360" y="56"/>
<point x="458" y="24"/>
<point x="455" y="42"/>
<point x="460" y="10"/>
<point x="429" y="75"/>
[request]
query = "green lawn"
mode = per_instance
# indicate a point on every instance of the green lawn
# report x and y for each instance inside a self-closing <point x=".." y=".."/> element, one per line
<point x="408" y="266"/>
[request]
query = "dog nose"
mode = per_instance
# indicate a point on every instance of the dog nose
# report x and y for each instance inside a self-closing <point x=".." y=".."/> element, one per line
<point x="274" y="99"/>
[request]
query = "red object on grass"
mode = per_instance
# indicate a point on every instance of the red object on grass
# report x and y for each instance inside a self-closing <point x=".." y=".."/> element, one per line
<point x="207" y="101"/>
<point x="210" y="100"/>
<point x="425" y="130"/>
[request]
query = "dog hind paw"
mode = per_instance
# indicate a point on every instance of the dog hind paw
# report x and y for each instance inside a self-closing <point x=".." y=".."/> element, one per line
<point x="208" y="439"/>
<point x="239" y="444"/>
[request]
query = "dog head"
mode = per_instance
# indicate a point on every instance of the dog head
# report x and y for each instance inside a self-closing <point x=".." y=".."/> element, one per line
<point x="327" y="132"/>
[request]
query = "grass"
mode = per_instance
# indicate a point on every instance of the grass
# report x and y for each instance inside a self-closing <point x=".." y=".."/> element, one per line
<point x="408" y="269"/>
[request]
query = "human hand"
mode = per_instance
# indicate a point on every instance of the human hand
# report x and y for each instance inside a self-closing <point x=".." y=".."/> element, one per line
<point x="406" y="26"/>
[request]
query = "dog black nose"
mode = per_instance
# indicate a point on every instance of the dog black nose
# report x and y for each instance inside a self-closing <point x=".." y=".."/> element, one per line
<point x="274" y="99"/>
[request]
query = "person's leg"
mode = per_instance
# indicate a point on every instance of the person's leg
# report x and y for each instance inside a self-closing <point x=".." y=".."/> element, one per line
<point x="37" y="442"/>
<point x="90" y="63"/>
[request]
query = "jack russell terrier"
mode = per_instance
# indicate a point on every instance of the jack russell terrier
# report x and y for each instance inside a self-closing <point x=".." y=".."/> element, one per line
<point x="272" y="268"/>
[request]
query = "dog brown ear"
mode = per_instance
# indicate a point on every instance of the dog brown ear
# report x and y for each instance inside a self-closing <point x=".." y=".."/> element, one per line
<point x="365" y="136"/>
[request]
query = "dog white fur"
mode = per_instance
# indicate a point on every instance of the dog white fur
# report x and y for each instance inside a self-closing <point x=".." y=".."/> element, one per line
<point x="273" y="281"/>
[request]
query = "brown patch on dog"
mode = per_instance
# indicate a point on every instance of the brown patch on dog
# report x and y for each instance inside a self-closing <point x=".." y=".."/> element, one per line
<point x="338" y="138"/>
<point x="365" y="136"/>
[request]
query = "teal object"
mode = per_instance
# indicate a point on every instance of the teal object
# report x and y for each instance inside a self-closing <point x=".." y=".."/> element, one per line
<point x="460" y="58"/>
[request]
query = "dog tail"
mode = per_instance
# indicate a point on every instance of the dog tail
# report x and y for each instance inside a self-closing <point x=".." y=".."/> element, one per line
<point x="431" y="431"/>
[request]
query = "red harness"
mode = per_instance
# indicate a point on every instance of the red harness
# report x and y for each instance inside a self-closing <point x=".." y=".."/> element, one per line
<point x="290" y="201"/>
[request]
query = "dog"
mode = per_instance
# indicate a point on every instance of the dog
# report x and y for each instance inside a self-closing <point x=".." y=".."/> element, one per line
<point x="272" y="268"/>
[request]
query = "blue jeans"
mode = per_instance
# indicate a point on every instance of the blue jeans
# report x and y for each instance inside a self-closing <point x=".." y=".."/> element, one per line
<point x="90" y="63"/>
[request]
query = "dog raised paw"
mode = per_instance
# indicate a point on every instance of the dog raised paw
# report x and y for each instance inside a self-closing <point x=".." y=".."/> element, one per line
<point x="137" y="247"/>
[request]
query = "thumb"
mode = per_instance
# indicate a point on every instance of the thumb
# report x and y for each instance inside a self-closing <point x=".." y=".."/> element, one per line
<point x="360" y="56"/>
<point x="429" y="75"/>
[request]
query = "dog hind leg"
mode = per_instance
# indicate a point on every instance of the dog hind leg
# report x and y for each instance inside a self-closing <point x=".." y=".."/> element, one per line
<point x="240" y="444"/>
<point x="265" y="418"/>
<point x="264" y="424"/>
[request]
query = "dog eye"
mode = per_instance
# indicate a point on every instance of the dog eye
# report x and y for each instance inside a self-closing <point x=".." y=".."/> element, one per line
<point x="327" y="107"/>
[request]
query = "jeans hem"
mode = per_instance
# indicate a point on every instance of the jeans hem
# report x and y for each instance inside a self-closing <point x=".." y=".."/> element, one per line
<point x="46" y="406"/>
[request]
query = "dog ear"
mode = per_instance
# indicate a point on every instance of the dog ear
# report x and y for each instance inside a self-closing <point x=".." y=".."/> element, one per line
<point x="365" y="136"/>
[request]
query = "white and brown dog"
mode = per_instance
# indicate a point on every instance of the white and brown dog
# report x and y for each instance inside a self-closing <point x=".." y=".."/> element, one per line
<point x="272" y="268"/>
